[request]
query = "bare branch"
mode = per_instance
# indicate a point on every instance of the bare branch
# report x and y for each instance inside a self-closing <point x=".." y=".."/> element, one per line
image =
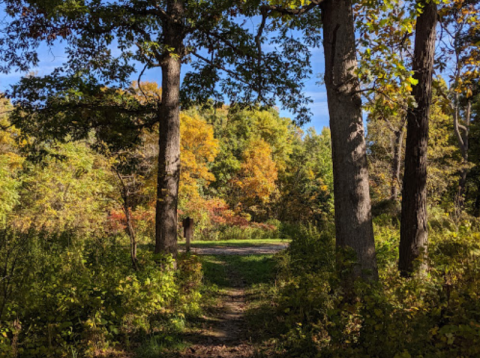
<point x="139" y="82"/>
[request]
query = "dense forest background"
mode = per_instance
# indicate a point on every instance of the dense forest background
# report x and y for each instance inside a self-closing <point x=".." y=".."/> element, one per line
<point x="248" y="169"/>
<point x="240" y="169"/>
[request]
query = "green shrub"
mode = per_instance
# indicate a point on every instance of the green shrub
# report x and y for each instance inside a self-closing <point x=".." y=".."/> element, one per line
<point x="253" y="231"/>
<point x="433" y="316"/>
<point x="64" y="296"/>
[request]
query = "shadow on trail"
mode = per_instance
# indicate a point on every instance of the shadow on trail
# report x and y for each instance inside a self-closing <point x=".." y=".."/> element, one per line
<point x="223" y="331"/>
<point x="252" y="269"/>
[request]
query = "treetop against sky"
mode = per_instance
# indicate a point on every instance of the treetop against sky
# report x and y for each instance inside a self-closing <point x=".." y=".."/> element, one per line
<point x="53" y="57"/>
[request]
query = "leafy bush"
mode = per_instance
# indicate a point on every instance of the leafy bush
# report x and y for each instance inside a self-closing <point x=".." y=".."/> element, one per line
<point x="62" y="296"/>
<point x="433" y="316"/>
<point x="253" y="232"/>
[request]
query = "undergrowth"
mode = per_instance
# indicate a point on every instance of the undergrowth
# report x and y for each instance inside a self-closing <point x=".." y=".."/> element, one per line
<point x="437" y="315"/>
<point x="65" y="296"/>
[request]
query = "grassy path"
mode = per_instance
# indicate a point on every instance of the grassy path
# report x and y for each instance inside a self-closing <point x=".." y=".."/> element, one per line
<point x="224" y="332"/>
<point x="238" y="250"/>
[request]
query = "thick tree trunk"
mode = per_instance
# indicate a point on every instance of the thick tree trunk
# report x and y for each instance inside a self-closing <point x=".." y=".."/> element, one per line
<point x="169" y="136"/>
<point x="414" y="232"/>
<point x="353" y="219"/>
<point x="396" y="163"/>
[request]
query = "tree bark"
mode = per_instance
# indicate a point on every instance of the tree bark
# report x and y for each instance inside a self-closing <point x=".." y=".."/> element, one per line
<point x="414" y="231"/>
<point x="188" y="232"/>
<point x="462" y="183"/>
<point x="129" y="227"/>
<point x="131" y="234"/>
<point x="477" y="202"/>
<point x="169" y="134"/>
<point x="353" y="219"/>
<point x="464" y="147"/>
<point x="396" y="163"/>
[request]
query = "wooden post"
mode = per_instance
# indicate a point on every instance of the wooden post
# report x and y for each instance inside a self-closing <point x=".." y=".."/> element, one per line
<point x="188" y="232"/>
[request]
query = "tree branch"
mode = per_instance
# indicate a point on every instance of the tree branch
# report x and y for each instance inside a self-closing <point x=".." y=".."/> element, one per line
<point x="258" y="40"/>
<point x="270" y="9"/>
<point x="218" y="66"/>
<point x="456" y="126"/>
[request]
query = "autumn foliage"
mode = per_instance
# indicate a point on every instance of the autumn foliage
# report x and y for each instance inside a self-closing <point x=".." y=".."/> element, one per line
<point x="258" y="173"/>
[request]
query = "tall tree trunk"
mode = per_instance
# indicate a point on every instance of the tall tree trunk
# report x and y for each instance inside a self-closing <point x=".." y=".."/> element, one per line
<point x="414" y="232"/>
<point x="169" y="136"/>
<point x="396" y="163"/>
<point x="353" y="218"/>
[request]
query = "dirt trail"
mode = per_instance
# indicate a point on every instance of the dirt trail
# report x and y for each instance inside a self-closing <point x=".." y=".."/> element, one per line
<point x="224" y="333"/>
<point x="227" y="335"/>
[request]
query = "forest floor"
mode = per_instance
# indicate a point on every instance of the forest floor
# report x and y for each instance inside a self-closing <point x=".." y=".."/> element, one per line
<point x="234" y="276"/>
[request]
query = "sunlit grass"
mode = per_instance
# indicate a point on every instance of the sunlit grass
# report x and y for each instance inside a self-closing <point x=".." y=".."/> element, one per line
<point x="237" y="243"/>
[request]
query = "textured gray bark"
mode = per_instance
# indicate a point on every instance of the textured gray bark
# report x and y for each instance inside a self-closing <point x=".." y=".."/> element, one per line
<point x="353" y="219"/>
<point x="414" y="231"/>
<point x="169" y="135"/>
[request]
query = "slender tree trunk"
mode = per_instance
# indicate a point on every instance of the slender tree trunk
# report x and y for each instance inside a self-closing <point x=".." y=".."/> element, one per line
<point x="462" y="183"/>
<point x="396" y="163"/>
<point x="169" y="136"/>
<point x="477" y="202"/>
<point x="353" y="219"/>
<point x="463" y="144"/>
<point x="131" y="234"/>
<point x="126" y="210"/>
<point x="414" y="232"/>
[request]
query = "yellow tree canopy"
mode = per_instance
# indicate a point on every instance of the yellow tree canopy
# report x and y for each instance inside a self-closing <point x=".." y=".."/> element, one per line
<point x="258" y="173"/>
<point x="198" y="148"/>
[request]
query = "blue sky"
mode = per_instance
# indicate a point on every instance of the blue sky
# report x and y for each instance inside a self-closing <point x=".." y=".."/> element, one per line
<point x="51" y="58"/>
